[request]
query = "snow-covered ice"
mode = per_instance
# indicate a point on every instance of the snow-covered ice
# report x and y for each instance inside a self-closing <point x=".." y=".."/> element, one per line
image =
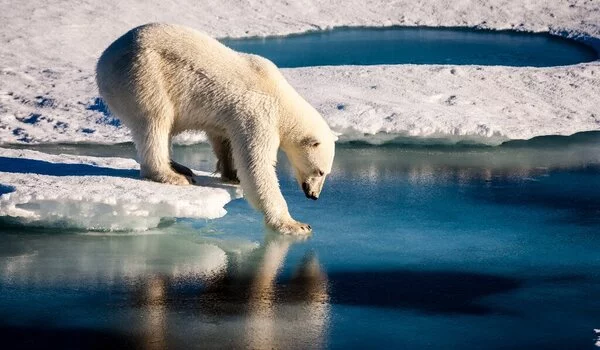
<point x="481" y="104"/>
<point x="48" y="51"/>
<point x="99" y="193"/>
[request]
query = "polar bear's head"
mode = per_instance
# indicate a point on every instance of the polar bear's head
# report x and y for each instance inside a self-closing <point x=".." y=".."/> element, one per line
<point x="312" y="158"/>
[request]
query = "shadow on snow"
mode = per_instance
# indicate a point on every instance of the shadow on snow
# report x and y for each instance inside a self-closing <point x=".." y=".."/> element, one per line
<point x="27" y="166"/>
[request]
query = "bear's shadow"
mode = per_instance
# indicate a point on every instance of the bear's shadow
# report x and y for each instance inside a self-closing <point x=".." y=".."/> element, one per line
<point x="41" y="167"/>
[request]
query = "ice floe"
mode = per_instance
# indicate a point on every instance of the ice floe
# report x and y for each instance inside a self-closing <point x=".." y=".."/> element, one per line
<point x="47" y="59"/>
<point x="478" y="104"/>
<point x="99" y="193"/>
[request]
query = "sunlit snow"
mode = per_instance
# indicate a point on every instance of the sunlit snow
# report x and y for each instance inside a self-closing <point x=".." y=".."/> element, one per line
<point x="100" y="193"/>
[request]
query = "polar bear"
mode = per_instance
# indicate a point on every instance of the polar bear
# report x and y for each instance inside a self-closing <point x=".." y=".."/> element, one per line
<point x="162" y="79"/>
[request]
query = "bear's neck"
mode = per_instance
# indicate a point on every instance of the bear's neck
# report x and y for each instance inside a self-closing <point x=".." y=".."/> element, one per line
<point x="296" y="116"/>
<point x="293" y="128"/>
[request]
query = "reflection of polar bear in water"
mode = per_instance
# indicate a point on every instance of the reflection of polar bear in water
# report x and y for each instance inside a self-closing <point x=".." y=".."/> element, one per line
<point x="163" y="79"/>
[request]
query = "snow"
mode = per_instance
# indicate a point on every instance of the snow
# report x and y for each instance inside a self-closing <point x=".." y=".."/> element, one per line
<point x="457" y="103"/>
<point x="99" y="193"/>
<point x="48" y="51"/>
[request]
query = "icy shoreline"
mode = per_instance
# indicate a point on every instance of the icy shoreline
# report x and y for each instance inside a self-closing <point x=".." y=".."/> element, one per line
<point x="48" y="94"/>
<point x="99" y="193"/>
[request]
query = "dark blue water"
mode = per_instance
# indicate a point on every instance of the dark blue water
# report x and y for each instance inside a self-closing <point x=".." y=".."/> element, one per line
<point x="416" y="45"/>
<point x="413" y="248"/>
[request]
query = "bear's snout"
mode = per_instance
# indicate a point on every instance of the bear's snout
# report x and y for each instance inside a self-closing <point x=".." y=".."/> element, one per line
<point x="309" y="194"/>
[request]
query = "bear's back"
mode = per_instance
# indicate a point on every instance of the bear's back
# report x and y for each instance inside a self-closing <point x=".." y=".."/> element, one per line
<point x="175" y="49"/>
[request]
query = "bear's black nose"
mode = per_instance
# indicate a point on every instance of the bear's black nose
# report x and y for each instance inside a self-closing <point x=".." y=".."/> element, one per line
<point x="307" y="192"/>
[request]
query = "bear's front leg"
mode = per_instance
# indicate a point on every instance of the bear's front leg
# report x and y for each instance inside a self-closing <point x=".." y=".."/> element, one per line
<point x="279" y="219"/>
<point x="255" y="163"/>
<point x="292" y="227"/>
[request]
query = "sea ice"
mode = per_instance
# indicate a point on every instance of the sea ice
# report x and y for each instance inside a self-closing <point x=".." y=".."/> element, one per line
<point x="99" y="193"/>
<point x="481" y="104"/>
<point x="47" y="60"/>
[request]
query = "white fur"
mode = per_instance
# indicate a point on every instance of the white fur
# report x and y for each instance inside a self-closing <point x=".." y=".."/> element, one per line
<point x="163" y="79"/>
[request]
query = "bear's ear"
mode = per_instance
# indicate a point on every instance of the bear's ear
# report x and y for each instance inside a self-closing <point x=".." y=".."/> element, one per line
<point x="335" y="135"/>
<point x="310" y="142"/>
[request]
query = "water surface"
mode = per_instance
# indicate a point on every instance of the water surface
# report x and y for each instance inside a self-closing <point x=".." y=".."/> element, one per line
<point x="416" y="45"/>
<point x="413" y="248"/>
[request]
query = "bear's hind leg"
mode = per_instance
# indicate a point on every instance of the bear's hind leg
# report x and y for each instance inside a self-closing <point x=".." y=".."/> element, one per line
<point x="222" y="149"/>
<point x="152" y="143"/>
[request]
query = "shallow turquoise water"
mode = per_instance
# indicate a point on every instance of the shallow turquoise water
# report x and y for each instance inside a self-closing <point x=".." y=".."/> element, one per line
<point x="464" y="248"/>
<point x="416" y="45"/>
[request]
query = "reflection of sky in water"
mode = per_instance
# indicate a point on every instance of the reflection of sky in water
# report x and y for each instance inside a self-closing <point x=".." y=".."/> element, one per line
<point x="413" y="248"/>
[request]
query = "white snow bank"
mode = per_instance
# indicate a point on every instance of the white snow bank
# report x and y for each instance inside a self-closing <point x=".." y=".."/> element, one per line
<point x="48" y="52"/>
<point x="99" y="193"/>
<point x="455" y="103"/>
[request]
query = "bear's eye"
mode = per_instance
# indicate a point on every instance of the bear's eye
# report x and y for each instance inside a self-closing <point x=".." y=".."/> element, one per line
<point x="320" y="172"/>
<point x="310" y="142"/>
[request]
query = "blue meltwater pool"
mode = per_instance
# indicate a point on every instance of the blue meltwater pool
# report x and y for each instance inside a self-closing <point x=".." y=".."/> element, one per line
<point x="413" y="248"/>
<point x="417" y="45"/>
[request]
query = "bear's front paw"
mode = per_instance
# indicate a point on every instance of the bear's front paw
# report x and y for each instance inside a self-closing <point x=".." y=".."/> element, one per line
<point x="292" y="227"/>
